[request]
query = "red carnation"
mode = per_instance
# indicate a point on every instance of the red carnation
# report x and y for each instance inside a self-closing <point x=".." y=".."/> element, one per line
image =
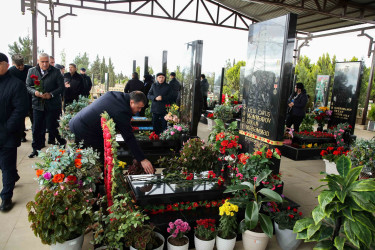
<point x="291" y="216"/>
<point x="295" y="210"/>
<point x="34" y="77"/>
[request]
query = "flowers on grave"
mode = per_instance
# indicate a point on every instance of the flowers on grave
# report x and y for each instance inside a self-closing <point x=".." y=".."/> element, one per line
<point x="333" y="154"/>
<point x="339" y="132"/>
<point x="210" y="115"/>
<point x="60" y="214"/>
<point x="173" y="114"/>
<point x="178" y="229"/>
<point x="363" y="154"/>
<point x="205" y="229"/>
<point x="228" y="221"/>
<point x="322" y="115"/>
<point x="197" y="156"/>
<point x="286" y="218"/>
<point x="273" y="181"/>
<point x="174" y="132"/>
<point x="316" y="134"/>
<point x="38" y="84"/>
<point x="237" y="108"/>
<point x="226" y="143"/>
<point x="73" y="166"/>
<point x="153" y="136"/>
<point x="223" y="112"/>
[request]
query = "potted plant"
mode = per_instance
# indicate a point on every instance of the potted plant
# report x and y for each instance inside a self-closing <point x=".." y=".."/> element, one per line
<point x="371" y="116"/>
<point x="322" y="116"/>
<point x="257" y="227"/>
<point x="205" y="233"/>
<point x="177" y="240"/>
<point x="174" y="132"/>
<point x="226" y="237"/>
<point x="144" y="238"/>
<point x="284" y="221"/>
<point x="330" y="156"/>
<point x="363" y="154"/>
<point x="344" y="218"/>
<point x="224" y="112"/>
<point x="60" y="216"/>
<point x="113" y="227"/>
<point x="173" y="114"/>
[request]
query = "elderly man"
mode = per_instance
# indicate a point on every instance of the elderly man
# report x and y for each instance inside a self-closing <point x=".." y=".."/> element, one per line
<point x="121" y="107"/>
<point x="14" y="107"/>
<point x="20" y="70"/>
<point x="74" y="85"/>
<point x="46" y="84"/>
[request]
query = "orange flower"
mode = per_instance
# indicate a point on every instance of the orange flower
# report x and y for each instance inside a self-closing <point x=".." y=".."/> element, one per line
<point x="39" y="172"/>
<point x="78" y="163"/>
<point x="62" y="151"/>
<point x="58" y="178"/>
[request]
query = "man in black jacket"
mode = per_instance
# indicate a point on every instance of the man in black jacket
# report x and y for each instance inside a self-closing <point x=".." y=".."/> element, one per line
<point x="134" y="84"/>
<point x="74" y="86"/>
<point x="86" y="124"/>
<point x="87" y="81"/>
<point x="46" y="101"/>
<point x="176" y="87"/>
<point x="160" y="94"/>
<point x="20" y="70"/>
<point x="13" y="109"/>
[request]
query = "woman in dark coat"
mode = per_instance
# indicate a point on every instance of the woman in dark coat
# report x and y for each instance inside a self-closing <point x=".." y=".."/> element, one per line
<point x="296" y="107"/>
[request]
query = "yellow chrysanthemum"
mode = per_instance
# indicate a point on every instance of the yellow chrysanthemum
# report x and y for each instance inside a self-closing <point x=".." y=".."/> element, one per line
<point x="121" y="164"/>
<point x="231" y="214"/>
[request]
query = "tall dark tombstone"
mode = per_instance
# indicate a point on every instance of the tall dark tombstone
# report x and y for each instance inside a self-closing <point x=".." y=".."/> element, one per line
<point x="134" y="66"/>
<point x="164" y="62"/>
<point x="146" y="66"/>
<point x="322" y="91"/>
<point x="268" y="76"/>
<point x="190" y="92"/>
<point x="218" y="85"/>
<point x="242" y="80"/>
<point x="106" y="82"/>
<point x="345" y="93"/>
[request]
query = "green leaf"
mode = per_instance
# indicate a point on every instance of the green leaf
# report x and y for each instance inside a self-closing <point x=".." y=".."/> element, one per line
<point x="339" y="242"/>
<point x="303" y="224"/>
<point x="340" y="206"/>
<point x="325" y="233"/>
<point x="365" y="218"/>
<point x="362" y="233"/>
<point x="323" y="245"/>
<point x="249" y="184"/>
<point x="329" y="209"/>
<point x="302" y="235"/>
<point x="318" y="214"/>
<point x="271" y="195"/>
<point x="348" y="213"/>
<point x="312" y="230"/>
<point x="353" y="175"/>
<point x="266" y="225"/>
<point x="235" y="188"/>
<point x="350" y="234"/>
<point x="363" y="200"/>
<point x="343" y="165"/>
<point x="325" y="198"/>
<point x="251" y="215"/>
<point x="341" y="195"/>
<point x="262" y="176"/>
<point x="353" y="204"/>
<point x="363" y="185"/>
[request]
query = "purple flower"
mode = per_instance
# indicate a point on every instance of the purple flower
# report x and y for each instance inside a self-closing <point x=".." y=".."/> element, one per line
<point x="282" y="196"/>
<point x="47" y="176"/>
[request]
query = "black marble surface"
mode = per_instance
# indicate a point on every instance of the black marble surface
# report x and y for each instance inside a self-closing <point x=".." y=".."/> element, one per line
<point x="345" y="93"/>
<point x="242" y="80"/>
<point x="218" y="85"/>
<point x="322" y="91"/>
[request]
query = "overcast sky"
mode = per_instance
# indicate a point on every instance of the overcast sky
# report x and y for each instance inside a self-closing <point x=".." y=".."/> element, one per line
<point x="125" y="38"/>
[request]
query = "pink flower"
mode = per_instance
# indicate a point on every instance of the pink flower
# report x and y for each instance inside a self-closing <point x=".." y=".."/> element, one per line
<point x="179" y="128"/>
<point x="56" y="193"/>
<point x="172" y="132"/>
<point x="47" y="176"/>
<point x="342" y="139"/>
<point x="255" y="178"/>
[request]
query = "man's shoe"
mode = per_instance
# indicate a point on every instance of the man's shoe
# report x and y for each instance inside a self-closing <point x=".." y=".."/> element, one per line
<point x="23" y="139"/>
<point x="33" y="154"/>
<point x="6" y="205"/>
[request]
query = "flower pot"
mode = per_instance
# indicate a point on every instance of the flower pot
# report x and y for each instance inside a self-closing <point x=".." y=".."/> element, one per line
<point x="371" y="126"/>
<point x="204" y="244"/>
<point x="74" y="244"/>
<point x="158" y="248"/>
<point x="210" y="123"/>
<point x="224" y="244"/>
<point x="173" y="247"/>
<point x="254" y="241"/>
<point x="286" y="238"/>
<point x="330" y="167"/>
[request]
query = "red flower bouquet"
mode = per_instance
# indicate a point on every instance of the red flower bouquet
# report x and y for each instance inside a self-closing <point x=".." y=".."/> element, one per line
<point x="38" y="84"/>
<point x="332" y="155"/>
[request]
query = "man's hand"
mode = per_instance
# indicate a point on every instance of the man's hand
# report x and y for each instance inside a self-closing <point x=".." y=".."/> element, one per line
<point x="291" y="104"/>
<point x="37" y="94"/>
<point x="147" y="166"/>
<point x="159" y="98"/>
<point x="67" y="85"/>
<point x="47" y="96"/>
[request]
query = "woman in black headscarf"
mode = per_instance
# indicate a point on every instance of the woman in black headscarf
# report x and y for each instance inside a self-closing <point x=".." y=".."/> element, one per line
<point x="296" y="107"/>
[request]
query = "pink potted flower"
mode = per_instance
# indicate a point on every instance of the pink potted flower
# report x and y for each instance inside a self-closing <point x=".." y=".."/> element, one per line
<point x="178" y="240"/>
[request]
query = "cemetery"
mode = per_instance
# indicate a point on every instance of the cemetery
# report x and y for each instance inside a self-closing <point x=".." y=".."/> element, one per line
<point x="240" y="172"/>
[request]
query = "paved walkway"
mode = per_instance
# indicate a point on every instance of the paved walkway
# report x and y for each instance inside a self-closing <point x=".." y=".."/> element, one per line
<point x="300" y="178"/>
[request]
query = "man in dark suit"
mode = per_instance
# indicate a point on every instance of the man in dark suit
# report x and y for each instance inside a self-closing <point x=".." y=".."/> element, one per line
<point x="86" y="124"/>
<point x="134" y="84"/>
<point x="74" y="85"/>
<point x="13" y="109"/>
<point x="46" y="85"/>
<point x="176" y="88"/>
<point x="87" y="81"/>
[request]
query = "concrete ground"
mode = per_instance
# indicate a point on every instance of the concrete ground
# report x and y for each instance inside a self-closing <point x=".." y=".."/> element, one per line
<point x="300" y="178"/>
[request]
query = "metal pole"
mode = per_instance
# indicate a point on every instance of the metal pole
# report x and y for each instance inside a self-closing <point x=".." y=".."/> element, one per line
<point x="164" y="61"/>
<point x="51" y="8"/>
<point x="34" y="13"/>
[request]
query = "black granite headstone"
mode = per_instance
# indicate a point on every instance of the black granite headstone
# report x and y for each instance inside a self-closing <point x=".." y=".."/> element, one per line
<point x="242" y="80"/>
<point x="322" y="91"/>
<point x="345" y="93"/>
<point x="218" y="85"/>
<point x="146" y="66"/>
<point x="134" y="66"/>
<point x="190" y="92"/>
<point x="268" y="76"/>
<point x="164" y="61"/>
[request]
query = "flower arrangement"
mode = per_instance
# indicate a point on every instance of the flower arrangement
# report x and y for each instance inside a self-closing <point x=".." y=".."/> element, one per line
<point x="237" y="108"/>
<point x="172" y="115"/>
<point x="227" y="143"/>
<point x="339" y="132"/>
<point x="178" y="229"/>
<point x="228" y="222"/>
<point x="205" y="229"/>
<point x="210" y="115"/>
<point x="38" y="84"/>
<point x="74" y="165"/>
<point x="197" y="156"/>
<point x="363" y="154"/>
<point x="61" y="214"/>
<point x="174" y="132"/>
<point x="332" y="155"/>
<point x="286" y="219"/>
<point x="224" y="112"/>
<point x="322" y="115"/>
<point x="153" y="136"/>
<point x="273" y="181"/>
<point x="314" y="134"/>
